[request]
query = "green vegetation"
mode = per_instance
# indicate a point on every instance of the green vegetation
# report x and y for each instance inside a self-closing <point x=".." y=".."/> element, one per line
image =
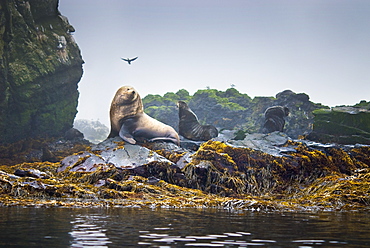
<point x="363" y="104"/>
<point x="228" y="99"/>
<point x="219" y="97"/>
<point x="231" y="109"/>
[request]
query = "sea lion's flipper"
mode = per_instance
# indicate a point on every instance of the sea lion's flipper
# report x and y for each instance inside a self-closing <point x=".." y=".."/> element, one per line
<point x="126" y="135"/>
<point x="173" y="140"/>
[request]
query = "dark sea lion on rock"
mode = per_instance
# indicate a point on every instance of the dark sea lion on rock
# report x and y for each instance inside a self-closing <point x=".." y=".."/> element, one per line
<point x="129" y="121"/>
<point x="189" y="126"/>
<point x="274" y="118"/>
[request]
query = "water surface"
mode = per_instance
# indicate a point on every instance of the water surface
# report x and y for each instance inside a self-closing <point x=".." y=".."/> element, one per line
<point x="136" y="227"/>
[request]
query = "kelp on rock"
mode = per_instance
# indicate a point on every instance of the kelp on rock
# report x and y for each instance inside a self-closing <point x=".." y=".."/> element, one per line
<point x="307" y="176"/>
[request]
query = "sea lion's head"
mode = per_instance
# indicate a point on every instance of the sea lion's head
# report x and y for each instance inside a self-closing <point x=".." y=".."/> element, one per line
<point x="128" y="101"/>
<point x="182" y="105"/>
<point x="126" y="95"/>
<point x="277" y="111"/>
<point x="185" y="113"/>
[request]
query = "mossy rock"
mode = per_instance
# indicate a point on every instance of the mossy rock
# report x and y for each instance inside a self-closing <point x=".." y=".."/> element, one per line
<point x="38" y="80"/>
<point x="347" y="125"/>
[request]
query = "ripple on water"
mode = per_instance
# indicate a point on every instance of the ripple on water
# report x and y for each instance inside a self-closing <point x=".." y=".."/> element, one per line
<point x="212" y="240"/>
<point x="87" y="234"/>
<point x="205" y="245"/>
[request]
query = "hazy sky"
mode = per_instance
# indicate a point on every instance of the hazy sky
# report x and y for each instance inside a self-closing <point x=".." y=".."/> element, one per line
<point x="319" y="47"/>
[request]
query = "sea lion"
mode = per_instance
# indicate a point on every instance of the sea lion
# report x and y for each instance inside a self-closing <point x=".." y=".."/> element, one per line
<point x="129" y="121"/>
<point x="189" y="126"/>
<point x="274" y="118"/>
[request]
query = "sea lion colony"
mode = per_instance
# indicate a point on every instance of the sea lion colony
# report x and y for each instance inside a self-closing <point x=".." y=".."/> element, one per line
<point x="129" y="121"/>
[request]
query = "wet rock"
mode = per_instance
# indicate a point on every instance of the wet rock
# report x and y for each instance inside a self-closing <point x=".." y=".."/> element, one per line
<point x="73" y="134"/>
<point x="8" y="175"/>
<point x="271" y="143"/>
<point x="153" y="180"/>
<point x="31" y="173"/>
<point x="84" y="161"/>
<point x="273" y="171"/>
<point x="163" y="145"/>
<point x="190" y="144"/>
<point x="228" y="170"/>
<point x="131" y="156"/>
<point x="91" y="163"/>
<point x="125" y="155"/>
<point x="47" y="155"/>
<point x="226" y="135"/>
<point x="127" y="158"/>
<point x="72" y="160"/>
<point x="343" y="125"/>
<point x="184" y="160"/>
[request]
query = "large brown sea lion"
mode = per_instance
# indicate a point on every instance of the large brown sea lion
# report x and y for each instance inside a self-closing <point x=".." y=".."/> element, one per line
<point x="189" y="126"/>
<point x="274" y="118"/>
<point x="129" y="121"/>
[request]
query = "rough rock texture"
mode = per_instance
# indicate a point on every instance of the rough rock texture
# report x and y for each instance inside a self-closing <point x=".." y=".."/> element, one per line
<point x="277" y="174"/>
<point x="272" y="143"/>
<point x="344" y="125"/>
<point x="40" y="66"/>
<point x="43" y="149"/>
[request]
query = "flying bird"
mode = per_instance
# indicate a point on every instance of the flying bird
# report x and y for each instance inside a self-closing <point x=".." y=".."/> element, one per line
<point x="129" y="60"/>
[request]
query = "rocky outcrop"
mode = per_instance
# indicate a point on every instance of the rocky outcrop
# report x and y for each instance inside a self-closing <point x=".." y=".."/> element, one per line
<point x="233" y="110"/>
<point x="344" y="125"/>
<point x="40" y="66"/>
<point x="265" y="171"/>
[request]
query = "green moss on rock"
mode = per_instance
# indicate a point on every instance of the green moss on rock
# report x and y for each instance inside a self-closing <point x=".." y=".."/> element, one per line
<point x="347" y="125"/>
<point x="40" y="66"/>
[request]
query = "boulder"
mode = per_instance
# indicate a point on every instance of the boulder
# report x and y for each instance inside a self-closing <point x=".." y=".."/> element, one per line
<point x="272" y="143"/>
<point x="122" y="159"/>
<point x="343" y="125"/>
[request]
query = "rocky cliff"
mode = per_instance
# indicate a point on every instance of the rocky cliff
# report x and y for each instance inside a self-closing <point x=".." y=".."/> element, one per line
<point x="40" y="67"/>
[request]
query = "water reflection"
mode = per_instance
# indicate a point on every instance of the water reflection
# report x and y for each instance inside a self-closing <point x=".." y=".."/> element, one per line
<point x="87" y="231"/>
<point x="135" y="227"/>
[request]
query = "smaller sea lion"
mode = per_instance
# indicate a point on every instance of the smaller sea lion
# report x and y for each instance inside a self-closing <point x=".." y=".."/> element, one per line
<point x="274" y="118"/>
<point x="189" y="126"/>
<point x="129" y="121"/>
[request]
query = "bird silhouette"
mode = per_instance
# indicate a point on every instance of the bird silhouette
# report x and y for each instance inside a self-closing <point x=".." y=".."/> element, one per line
<point x="129" y="60"/>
